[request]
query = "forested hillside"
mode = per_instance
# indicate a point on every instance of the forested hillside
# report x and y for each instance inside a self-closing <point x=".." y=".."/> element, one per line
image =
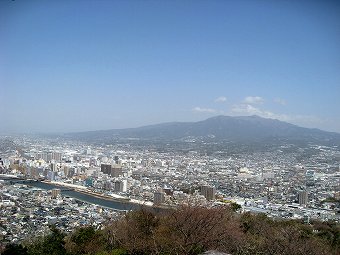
<point x="190" y="230"/>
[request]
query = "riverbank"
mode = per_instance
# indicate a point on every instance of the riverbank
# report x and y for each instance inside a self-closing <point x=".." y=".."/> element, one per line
<point x="85" y="190"/>
<point x="103" y="196"/>
<point x="82" y="193"/>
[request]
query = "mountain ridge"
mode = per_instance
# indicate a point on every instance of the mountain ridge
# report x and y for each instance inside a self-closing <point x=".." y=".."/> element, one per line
<point x="221" y="127"/>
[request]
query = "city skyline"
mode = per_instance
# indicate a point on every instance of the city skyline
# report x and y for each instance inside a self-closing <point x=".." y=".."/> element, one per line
<point x="94" y="65"/>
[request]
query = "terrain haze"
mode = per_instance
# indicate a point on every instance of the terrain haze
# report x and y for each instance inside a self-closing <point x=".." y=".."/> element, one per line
<point x="220" y="128"/>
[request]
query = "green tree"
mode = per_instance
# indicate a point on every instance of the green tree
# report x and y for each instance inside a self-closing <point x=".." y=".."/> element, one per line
<point x="235" y="207"/>
<point x="52" y="244"/>
<point x="86" y="240"/>
<point x="14" y="249"/>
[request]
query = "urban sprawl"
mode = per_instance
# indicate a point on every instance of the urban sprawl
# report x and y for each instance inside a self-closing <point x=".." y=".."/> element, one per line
<point x="283" y="183"/>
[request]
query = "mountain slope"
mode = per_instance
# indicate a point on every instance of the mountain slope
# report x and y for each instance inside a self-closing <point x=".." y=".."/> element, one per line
<point x="244" y="128"/>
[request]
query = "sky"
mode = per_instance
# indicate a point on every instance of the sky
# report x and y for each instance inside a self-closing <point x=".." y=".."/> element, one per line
<point x="82" y="65"/>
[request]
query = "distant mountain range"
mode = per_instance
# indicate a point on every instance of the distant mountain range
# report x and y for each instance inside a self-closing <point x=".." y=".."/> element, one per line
<point x="219" y="128"/>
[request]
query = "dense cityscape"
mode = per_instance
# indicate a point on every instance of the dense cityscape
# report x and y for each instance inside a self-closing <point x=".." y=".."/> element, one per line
<point x="283" y="183"/>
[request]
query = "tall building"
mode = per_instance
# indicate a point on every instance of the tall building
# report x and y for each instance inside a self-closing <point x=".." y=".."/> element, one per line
<point x="54" y="167"/>
<point x="57" y="156"/>
<point x="71" y="172"/>
<point x="310" y="177"/>
<point x="88" y="151"/>
<point x="116" y="158"/>
<point x="106" y="168"/>
<point x="208" y="192"/>
<point x="158" y="197"/>
<point x="120" y="186"/>
<point x="114" y="171"/>
<point x="93" y="162"/>
<point x="55" y="193"/>
<point x="303" y="197"/>
<point x="42" y="155"/>
<point x="49" y="157"/>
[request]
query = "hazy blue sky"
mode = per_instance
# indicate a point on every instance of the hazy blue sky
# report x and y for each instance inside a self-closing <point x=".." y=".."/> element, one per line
<point x="88" y="65"/>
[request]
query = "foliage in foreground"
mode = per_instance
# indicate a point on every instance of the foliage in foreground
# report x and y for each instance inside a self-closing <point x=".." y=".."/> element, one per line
<point x="190" y="230"/>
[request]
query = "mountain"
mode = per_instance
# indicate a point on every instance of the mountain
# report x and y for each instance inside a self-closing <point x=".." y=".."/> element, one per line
<point x="219" y="128"/>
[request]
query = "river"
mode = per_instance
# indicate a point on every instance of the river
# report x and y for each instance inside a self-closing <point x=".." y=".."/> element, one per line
<point x="113" y="204"/>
